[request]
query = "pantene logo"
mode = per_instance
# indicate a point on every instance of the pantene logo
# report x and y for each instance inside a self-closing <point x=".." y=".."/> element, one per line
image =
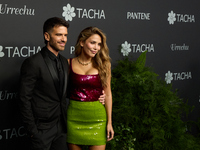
<point x="138" y="15"/>
<point x="174" y="17"/>
<point x="10" y="10"/>
<point x="126" y="48"/>
<point x="24" y="51"/>
<point x="70" y="12"/>
<point x="169" y="76"/>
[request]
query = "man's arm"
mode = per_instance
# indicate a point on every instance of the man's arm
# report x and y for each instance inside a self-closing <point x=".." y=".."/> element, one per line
<point x="28" y="80"/>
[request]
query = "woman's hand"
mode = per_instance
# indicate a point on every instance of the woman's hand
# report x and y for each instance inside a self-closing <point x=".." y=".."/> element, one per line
<point x="102" y="98"/>
<point x="110" y="132"/>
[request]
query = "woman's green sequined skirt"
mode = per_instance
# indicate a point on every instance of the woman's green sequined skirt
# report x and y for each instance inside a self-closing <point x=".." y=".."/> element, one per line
<point x="86" y="123"/>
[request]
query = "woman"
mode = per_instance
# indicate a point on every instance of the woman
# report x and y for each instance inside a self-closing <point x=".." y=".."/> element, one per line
<point x="89" y="122"/>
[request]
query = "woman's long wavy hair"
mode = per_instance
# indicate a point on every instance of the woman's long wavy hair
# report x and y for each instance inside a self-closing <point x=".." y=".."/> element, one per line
<point x="101" y="61"/>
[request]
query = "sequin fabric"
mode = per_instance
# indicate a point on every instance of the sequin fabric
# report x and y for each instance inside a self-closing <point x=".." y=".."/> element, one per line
<point x="86" y="123"/>
<point x="84" y="87"/>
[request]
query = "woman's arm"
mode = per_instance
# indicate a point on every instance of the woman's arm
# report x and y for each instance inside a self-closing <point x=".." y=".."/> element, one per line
<point x="108" y="106"/>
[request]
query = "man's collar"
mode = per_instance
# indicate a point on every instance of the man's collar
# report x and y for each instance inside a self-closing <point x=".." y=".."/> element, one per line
<point x="52" y="55"/>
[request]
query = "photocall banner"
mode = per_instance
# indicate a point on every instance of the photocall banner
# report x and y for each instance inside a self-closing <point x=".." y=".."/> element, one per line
<point x="168" y="30"/>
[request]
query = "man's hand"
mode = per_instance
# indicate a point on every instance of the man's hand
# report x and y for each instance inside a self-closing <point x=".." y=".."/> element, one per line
<point x="102" y="98"/>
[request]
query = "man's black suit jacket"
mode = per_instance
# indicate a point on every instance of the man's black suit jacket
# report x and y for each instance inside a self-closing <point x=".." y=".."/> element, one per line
<point x="39" y="100"/>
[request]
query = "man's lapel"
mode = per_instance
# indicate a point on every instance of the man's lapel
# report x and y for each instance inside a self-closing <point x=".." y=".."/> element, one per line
<point x="51" y="69"/>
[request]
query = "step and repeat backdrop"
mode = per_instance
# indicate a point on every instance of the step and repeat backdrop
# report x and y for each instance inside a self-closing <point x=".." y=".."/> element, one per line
<point x="169" y="30"/>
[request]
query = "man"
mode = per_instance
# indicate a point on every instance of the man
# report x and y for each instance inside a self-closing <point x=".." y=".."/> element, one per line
<point x="43" y="90"/>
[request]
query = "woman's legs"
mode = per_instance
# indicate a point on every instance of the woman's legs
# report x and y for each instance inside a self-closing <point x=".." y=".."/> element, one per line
<point x="77" y="147"/>
<point x="74" y="147"/>
<point x="98" y="147"/>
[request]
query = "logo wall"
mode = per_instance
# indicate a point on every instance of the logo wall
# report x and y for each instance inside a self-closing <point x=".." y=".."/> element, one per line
<point x="126" y="48"/>
<point x="70" y="12"/>
<point x="185" y="18"/>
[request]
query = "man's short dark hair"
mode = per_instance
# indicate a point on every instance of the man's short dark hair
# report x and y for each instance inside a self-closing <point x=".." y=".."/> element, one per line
<point x="50" y="23"/>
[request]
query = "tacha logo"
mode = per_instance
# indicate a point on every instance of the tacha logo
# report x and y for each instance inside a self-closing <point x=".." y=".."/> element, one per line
<point x="1" y="53"/>
<point x="7" y="134"/>
<point x="24" y="51"/>
<point x="70" y="12"/>
<point x="172" y="17"/>
<point x="126" y="48"/>
<point x="169" y="76"/>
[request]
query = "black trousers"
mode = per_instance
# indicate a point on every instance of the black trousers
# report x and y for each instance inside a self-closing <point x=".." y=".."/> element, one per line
<point x="51" y="139"/>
